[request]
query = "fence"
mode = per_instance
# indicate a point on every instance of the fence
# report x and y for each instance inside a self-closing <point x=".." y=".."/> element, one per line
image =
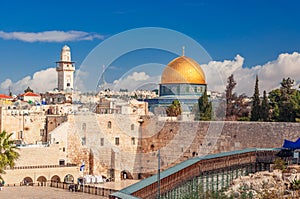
<point x="99" y="191"/>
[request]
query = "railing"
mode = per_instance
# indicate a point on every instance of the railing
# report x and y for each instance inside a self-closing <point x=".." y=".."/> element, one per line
<point x="42" y="166"/>
<point x="99" y="191"/>
<point x="208" y="173"/>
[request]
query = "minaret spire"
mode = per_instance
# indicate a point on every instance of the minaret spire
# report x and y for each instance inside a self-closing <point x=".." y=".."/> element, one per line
<point x="183" y="49"/>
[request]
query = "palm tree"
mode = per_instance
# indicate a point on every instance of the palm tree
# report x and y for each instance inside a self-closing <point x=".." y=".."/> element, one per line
<point x="8" y="154"/>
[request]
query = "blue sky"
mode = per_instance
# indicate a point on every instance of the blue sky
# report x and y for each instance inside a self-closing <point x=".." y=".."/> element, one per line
<point x="259" y="31"/>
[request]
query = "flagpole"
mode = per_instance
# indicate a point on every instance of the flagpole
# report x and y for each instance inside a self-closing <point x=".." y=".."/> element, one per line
<point x="82" y="169"/>
<point x="83" y="180"/>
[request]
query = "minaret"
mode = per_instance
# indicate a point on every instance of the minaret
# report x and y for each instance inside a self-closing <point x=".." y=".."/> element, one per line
<point x="65" y="70"/>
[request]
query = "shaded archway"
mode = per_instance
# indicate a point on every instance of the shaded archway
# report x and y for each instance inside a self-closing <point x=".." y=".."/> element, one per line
<point x="55" y="178"/>
<point x="126" y="175"/>
<point x="42" y="180"/>
<point x="69" y="179"/>
<point x="27" y="181"/>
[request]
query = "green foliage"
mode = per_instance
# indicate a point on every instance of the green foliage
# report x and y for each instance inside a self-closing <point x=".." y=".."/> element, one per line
<point x="265" y="108"/>
<point x="230" y="96"/>
<point x="274" y="97"/>
<point x="236" y="106"/>
<point x="204" y="108"/>
<point x="295" y="185"/>
<point x="285" y="102"/>
<point x="243" y="119"/>
<point x="174" y="109"/>
<point x="256" y="108"/>
<point x="279" y="164"/>
<point x="8" y="153"/>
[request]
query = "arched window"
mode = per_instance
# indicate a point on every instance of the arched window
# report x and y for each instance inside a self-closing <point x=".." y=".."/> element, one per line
<point x="109" y="124"/>
<point x="132" y="127"/>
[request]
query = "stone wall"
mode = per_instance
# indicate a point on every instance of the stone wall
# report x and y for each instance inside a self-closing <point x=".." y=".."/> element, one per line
<point x="179" y="141"/>
<point x="89" y="137"/>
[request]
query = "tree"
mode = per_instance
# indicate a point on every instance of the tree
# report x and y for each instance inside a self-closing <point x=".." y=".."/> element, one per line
<point x="256" y="108"/>
<point x="204" y="107"/>
<point x="230" y="96"/>
<point x="265" y="108"/>
<point x="287" y="104"/>
<point x="28" y="89"/>
<point x="274" y="98"/>
<point x="8" y="153"/>
<point x="174" y="109"/>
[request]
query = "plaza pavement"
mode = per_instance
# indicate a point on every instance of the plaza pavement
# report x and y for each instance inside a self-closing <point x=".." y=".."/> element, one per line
<point x="35" y="192"/>
<point x="29" y="192"/>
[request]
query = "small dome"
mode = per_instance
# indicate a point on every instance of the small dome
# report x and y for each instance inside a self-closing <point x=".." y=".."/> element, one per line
<point x="183" y="70"/>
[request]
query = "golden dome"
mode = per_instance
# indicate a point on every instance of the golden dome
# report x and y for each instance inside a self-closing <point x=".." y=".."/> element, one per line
<point x="183" y="70"/>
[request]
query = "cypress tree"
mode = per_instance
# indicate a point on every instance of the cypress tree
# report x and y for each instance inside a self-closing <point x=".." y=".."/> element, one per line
<point x="255" y="112"/>
<point x="265" y="108"/>
<point x="205" y="107"/>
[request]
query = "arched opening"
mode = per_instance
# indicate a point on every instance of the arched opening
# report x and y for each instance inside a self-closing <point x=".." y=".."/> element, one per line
<point x="109" y="124"/>
<point x="69" y="179"/>
<point x="126" y="175"/>
<point x="42" y="180"/>
<point x="132" y="127"/>
<point x="55" y="178"/>
<point x="152" y="147"/>
<point x="194" y="154"/>
<point x="28" y="181"/>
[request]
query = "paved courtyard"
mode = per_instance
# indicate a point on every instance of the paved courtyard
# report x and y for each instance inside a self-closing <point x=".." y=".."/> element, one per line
<point x="30" y="192"/>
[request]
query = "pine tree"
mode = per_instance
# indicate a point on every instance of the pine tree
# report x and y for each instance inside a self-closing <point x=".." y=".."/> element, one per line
<point x="287" y="106"/>
<point x="265" y="108"/>
<point x="230" y="97"/>
<point x="256" y="109"/>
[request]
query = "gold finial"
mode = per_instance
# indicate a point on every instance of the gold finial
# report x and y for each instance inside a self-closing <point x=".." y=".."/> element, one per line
<point x="183" y="48"/>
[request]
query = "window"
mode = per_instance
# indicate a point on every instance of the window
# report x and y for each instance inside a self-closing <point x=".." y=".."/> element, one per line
<point x="101" y="141"/>
<point x="187" y="89"/>
<point x="83" y="141"/>
<point x="109" y="124"/>
<point x="61" y="162"/>
<point x="132" y="127"/>
<point x="117" y="141"/>
<point x="64" y="149"/>
<point x="68" y="84"/>
<point x="84" y="126"/>
<point x="133" y="141"/>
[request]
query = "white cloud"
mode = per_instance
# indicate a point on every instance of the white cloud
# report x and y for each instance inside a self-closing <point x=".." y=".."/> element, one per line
<point x="270" y="74"/>
<point x="41" y="81"/>
<point x="135" y="81"/>
<point x="50" y="36"/>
